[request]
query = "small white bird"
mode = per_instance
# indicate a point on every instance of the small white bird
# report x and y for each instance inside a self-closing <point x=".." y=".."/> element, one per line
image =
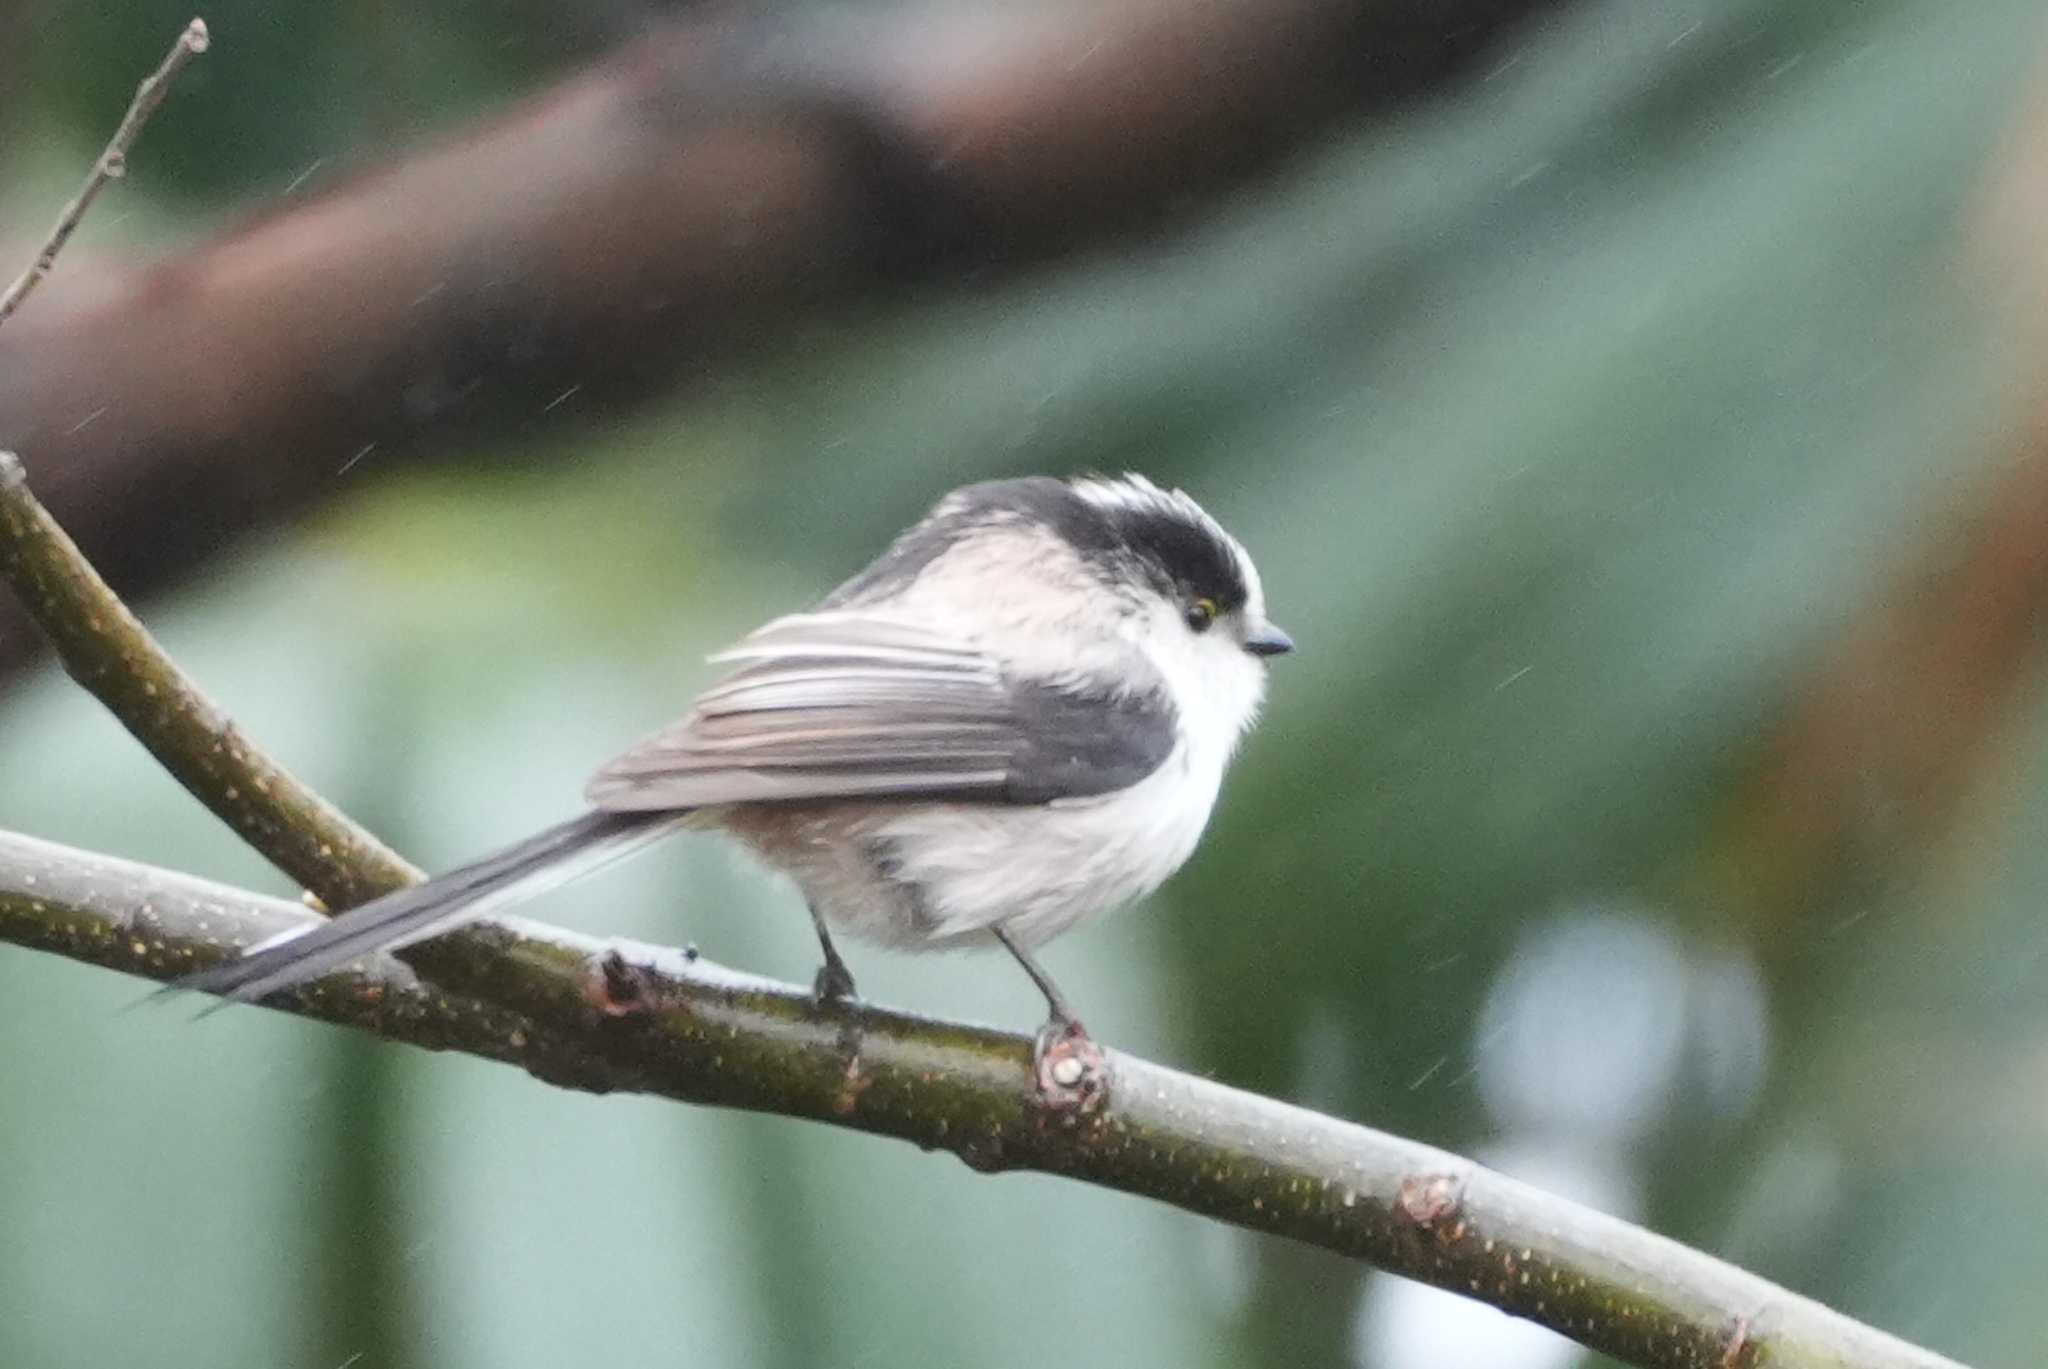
<point x="1016" y="718"/>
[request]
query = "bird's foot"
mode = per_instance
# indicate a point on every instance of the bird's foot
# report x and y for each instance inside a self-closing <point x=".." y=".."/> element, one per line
<point x="1070" y="1070"/>
<point x="832" y="991"/>
<point x="832" y="986"/>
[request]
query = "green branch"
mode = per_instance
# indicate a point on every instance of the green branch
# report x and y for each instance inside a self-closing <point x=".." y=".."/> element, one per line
<point x="108" y="651"/>
<point x="584" y="1014"/>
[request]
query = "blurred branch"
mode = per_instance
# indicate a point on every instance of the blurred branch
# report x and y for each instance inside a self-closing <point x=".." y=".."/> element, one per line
<point x="699" y="196"/>
<point x="112" y="655"/>
<point x="697" y="1033"/>
<point x="1887" y="732"/>
<point x="1899" y="718"/>
<point x="113" y="162"/>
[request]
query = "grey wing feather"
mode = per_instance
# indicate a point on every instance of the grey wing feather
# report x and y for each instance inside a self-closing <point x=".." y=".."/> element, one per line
<point x="842" y="704"/>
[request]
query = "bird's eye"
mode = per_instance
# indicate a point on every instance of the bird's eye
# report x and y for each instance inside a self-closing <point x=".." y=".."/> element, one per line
<point x="1201" y="613"/>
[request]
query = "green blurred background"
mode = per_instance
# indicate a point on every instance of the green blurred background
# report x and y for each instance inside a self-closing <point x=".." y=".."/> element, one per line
<point x="1576" y="417"/>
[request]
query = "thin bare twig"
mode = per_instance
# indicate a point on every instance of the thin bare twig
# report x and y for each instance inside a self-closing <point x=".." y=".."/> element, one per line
<point x="110" y="653"/>
<point x="698" y="1033"/>
<point x="108" y="650"/>
<point x="112" y="163"/>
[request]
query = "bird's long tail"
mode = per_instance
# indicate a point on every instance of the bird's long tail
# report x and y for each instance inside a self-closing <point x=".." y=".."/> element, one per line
<point x="521" y="871"/>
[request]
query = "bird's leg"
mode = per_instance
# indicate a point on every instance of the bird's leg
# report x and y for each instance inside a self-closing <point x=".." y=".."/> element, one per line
<point x="1069" y="1067"/>
<point x="834" y="982"/>
<point x="1062" y="1014"/>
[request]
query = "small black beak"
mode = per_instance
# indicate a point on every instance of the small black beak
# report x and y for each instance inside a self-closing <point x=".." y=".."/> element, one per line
<point x="1268" y="640"/>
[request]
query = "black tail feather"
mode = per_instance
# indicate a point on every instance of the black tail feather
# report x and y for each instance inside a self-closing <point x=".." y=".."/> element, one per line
<point x="413" y="914"/>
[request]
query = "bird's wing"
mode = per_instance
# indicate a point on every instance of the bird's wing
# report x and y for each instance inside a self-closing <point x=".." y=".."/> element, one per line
<point x="844" y="703"/>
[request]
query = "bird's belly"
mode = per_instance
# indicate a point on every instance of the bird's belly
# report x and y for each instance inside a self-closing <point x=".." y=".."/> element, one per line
<point x="1036" y="870"/>
<point x="927" y="876"/>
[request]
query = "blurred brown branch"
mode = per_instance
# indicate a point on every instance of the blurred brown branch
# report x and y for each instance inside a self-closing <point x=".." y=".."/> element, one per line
<point x="111" y="164"/>
<point x="682" y="204"/>
<point x="692" y="1031"/>
<point x="1888" y="731"/>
